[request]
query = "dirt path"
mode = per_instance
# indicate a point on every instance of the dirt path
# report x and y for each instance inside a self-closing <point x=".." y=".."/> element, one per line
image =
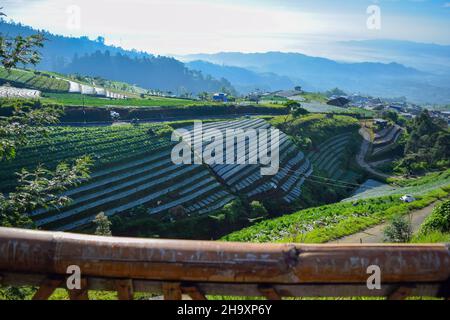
<point x="360" y="158"/>
<point x="375" y="234"/>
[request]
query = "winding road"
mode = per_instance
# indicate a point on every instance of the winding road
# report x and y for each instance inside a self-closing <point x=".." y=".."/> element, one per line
<point x="361" y="156"/>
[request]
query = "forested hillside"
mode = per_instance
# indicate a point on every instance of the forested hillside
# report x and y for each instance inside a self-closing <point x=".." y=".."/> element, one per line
<point x="95" y="58"/>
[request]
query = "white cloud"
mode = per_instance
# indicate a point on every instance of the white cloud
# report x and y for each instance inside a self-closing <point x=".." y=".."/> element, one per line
<point x="189" y="26"/>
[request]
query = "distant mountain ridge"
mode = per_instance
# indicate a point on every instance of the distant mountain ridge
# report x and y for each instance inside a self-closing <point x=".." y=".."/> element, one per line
<point x="428" y="57"/>
<point x="95" y="58"/>
<point x="319" y="74"/>
<point x="244" y="80"/>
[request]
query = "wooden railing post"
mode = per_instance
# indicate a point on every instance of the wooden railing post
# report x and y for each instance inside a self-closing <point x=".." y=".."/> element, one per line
<point x="193" y="292"/>
<point x="172" y="291"/>
<point x="79" y="294"/>
<point x="125" y="290"/>
<point x="269" y="292"/>
<point x="47" y="288"/>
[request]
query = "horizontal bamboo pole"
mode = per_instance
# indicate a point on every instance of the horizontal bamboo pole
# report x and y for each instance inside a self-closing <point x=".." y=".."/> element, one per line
<point x="38" y="252"/>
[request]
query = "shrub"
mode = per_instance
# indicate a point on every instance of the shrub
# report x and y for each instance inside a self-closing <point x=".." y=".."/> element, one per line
<point x="439" y="220"/>
<point x="398" y="231"/>
<point x="257" y="209"/>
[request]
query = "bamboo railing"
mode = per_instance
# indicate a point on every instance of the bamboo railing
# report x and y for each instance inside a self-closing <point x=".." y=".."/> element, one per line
<point x="197" y="269"/>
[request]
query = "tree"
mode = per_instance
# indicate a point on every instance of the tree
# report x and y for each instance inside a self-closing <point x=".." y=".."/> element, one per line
<point x="295" y="109"/>
<point x="257" y="210"/>
<point x="390" y="115"/>
<point x="203" y="96"/>
<point x="427" y="145"/>
<point x="439" y="220"/>
<point x="42" y="187"/>
<point x="398" y="231"/>
<point x="20" y="50"/>
<point x="103" y="225"/>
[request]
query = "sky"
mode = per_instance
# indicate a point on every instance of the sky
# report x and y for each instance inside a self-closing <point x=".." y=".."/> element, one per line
<point x="177" y="27"/>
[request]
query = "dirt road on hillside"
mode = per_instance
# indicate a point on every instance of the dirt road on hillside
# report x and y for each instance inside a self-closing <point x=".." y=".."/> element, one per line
<point x="375" y="234"/>
<point x="361" y="156"/>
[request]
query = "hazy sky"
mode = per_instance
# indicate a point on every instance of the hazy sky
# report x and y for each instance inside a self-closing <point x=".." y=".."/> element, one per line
<point x="193" y="26"/>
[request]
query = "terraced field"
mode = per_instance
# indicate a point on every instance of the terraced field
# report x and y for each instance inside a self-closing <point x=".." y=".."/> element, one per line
<point x="31" y="80"/>
<point x="246" y="179"/>
<point x="329" y="157"/>
<point x="385" y="139"/>
<point x="133" y="169"/>
<point x="416" y="187"/>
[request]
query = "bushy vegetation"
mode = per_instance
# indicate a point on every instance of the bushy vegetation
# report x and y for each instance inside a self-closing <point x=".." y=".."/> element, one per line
<point x="431" y="237"/>
<point x="315" y="127"/>
<point x="330" y="222"/>
<point x="438" y="221"/>
<point x="399" y="230"/>
<point x="427" y="146"/>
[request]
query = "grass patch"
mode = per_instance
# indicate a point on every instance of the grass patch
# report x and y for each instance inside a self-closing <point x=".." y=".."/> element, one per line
<point x="331" y="222"/>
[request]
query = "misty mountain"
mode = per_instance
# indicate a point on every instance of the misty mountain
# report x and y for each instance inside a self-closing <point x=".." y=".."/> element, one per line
<point x="428" y="57"/>
<point x="242" y="79"/>
<point x="148" y="72"/>
<point x="378" y="79"/>
<point x="95" y="58"/>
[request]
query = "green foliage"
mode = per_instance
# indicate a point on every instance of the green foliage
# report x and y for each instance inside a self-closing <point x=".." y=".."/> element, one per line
<point x="427" y="147"/>
<point x="431" y="237"/>
<point x="20" y="50"/>
<point x="330" y="222"/>
<point x="26" y="119"/>
<point x="295" y="109"/>
<point x="103" y="225"/>
<point x="398" y="231"/>
<point x="232" y="212"/>
<point x="390" y="115"/>
<point x="41" y="188"/>
<point x="439" y="220"/>
<point x="317" y="127"/>
<point x="257" y="210"/>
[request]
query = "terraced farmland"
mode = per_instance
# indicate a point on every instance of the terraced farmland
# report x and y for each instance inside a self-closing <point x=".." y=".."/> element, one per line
<point x="385" y="139"/>
<point x="133" y="169"/>
<point x="329" y="157"/>
<point x="246" y="179"/>
<point x="31" y="80"/>
<point x="416" y="187"/>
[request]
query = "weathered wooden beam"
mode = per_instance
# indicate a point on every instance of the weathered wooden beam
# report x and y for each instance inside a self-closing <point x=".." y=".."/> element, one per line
<point x="196" y="261"/>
